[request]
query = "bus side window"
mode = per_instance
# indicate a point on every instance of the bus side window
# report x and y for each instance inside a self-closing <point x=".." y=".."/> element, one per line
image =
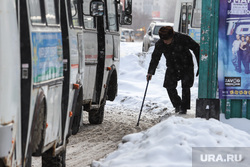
<point x="74" y="13"/>
<point x="89" y="21"/>
<point x="50" y="12"/>
<point x="35" y="12"/>
<point x="189" y="13"/>
<point x="196" y="17"/>
<point x="112" y="17"/>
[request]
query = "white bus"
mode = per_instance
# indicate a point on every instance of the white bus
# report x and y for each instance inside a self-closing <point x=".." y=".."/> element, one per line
<point x="10" y="101"/>
<point x="57" y="56"/>
<point x="183" y="22"/>
<point x="127" y="35"/>
<point x="102" y="55"/>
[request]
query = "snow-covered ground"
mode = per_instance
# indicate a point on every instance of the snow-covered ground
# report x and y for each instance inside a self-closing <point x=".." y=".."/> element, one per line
<point x="169" y="143"/>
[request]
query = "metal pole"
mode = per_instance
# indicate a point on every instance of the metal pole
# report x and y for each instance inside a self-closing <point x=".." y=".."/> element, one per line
<point x="142" y="103"/>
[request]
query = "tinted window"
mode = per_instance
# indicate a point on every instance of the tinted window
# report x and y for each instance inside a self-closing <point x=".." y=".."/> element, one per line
<point x="89" y="21"/>
<point x="35" y="11"/>
<point x="74" y="12"/>
<point x="112" y="17"/>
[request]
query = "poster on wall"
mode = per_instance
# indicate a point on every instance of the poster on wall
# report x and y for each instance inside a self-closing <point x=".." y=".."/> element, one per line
<point x="47" y="57"/>
<point x="234" y="49"/>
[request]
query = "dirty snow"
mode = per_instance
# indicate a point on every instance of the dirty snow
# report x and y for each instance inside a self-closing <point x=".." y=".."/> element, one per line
<point x="170" y="142"/>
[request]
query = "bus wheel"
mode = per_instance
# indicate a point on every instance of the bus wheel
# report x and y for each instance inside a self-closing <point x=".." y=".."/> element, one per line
<point x="77" y="119"/>
<point x="96" y="115"/>
<point x="39" y="130"/>
<point x="58" y="161"/>
<point x="112" y="87"/>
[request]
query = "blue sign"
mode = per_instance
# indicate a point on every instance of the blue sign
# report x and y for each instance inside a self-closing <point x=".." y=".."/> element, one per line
<point x="195" y="33"/>
<point x="47" y="57"/>
<point x="234" y="49"/>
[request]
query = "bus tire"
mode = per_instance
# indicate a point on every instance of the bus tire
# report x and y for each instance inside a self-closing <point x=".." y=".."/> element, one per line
<point x="77" y="119"/>
<point x="112" y="87"/>
<point x="39" y="130"/>
<point x="58" y="161"/>
<point x="96" y="115"/>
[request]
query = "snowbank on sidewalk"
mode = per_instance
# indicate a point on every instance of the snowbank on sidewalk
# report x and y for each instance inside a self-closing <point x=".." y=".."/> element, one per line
<point x="170" y="143"/>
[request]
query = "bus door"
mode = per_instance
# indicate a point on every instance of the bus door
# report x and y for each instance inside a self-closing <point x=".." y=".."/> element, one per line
<point x="91" y="52"/>
<point x="42" y="75"/>
<point x="112" y="39"/>
<point x="74" y="61"/>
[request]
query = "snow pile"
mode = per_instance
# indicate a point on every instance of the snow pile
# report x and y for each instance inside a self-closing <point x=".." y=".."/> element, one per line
<point x="170" y="143"/>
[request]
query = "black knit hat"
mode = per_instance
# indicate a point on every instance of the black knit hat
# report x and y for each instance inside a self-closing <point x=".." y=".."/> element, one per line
<point x="166" y="32"/>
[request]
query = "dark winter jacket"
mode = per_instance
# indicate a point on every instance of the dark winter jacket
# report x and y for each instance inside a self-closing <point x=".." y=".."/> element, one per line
<point x="179" y="59"/>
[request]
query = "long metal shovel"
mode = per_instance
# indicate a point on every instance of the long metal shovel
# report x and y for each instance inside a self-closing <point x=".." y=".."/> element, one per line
<point x="142" y="103"/>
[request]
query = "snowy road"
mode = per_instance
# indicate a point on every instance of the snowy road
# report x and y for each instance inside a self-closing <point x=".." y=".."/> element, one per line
<point x="95" y="141"/>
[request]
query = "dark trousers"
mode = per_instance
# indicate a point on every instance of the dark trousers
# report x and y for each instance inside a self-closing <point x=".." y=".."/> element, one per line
<point x="176" y="100"/>
<point x="170" y="84"/>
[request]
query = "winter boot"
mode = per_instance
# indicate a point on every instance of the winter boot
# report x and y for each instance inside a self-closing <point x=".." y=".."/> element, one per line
<point x="183" y="111"/>
<point x="178" y="109"/>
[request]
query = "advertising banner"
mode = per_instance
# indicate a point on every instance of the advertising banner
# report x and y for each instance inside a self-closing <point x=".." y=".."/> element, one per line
<point x="47" y="56"/>
<point x="234" y="49"/>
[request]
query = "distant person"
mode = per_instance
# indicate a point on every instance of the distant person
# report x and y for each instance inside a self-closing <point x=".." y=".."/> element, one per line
<point x="235" y="50"/>
<point x="180" y="67"/>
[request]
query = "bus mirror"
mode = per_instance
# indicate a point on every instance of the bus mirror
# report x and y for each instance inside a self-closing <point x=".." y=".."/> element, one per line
<point x="96" y="8"/>
<point x="126" y="20"/>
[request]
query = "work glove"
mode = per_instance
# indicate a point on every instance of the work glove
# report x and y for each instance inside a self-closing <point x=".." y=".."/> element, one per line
<point x="149" y="76"/>
<point x="197" y="73"/>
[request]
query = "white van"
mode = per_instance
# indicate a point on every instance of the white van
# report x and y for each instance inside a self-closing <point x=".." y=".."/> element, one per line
<point x="152" y="36"/>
